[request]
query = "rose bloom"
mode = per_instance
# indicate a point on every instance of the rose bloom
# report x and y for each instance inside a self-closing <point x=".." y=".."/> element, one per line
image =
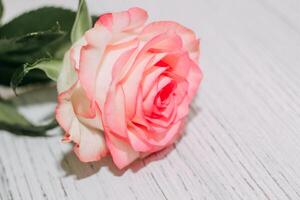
<point x="125" y="87"/>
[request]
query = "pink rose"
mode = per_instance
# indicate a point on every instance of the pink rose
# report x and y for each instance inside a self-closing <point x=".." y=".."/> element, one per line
<point x="125" y="88"/>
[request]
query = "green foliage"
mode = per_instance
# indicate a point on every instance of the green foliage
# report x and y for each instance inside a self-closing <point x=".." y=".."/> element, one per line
<point x="38" y="20"/>
<point x="28" y="38"/>
<point x="29" y="47"/>
<point x="83" y="22"/>
<point x="1" y="9"/>
<point x="50" y="67"/>
<point x="39" y="34"/>
<point x="11" y="120"/>
<point x="8" y="69"/>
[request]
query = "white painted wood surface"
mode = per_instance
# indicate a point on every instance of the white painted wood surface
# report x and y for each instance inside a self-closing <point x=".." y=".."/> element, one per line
<point x="242" y="140"/>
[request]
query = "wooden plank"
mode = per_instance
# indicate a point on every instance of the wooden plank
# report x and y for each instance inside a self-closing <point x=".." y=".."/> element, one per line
<point x="241" y="142"/>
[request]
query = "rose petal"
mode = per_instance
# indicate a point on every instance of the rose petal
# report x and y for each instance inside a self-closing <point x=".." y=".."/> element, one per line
<point x="139" y="117"/>
<point x="82" y="106"/>
<point x="75" y="52"/>
<point x="132" y="83"/>
<point x="179" y="63"/>
<point x="194" y="78"/>
<point x="181" y="90"/>
<point x="163" y="43"/>
<point x="121" y="152"/>
<point x="159" y="139"/>
<point x="123" y="21"/>
<point x="183" y="109"/>
<point x="67" y="76"/>
<point x="85" y="133"/>
<point x="114" y="112"/>
<point x="65" y="113"/>
<point x="91" y="146"/>
<point x="155" y="28"/>
<point x="136" y="142"/>
<point x="149" y="99"/>
<point x="107" y="74"/>
<point x="150" y="77"/>
<point x="194" y="49"/>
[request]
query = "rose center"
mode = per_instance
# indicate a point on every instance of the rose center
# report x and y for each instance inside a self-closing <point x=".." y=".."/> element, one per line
<point x="163" y="95"/>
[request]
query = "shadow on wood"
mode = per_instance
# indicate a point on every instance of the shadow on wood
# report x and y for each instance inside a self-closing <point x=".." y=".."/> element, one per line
<point x="73" y="166"/>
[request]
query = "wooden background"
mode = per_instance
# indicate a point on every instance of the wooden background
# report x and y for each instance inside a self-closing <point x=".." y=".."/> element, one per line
<point x="242" y="140"/>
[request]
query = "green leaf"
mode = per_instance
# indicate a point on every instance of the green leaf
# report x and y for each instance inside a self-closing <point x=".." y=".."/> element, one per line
<point x="38" y="20"/>
<point x="28" y="38"/>
<point x="11" y="120"/>
<point x="50" y="67"/>
<point x="1" y="10"/>
<point x="83" y="22"/>
<point x="29" y="42"/>
<point x="7" y="70"/>
<point x="51" y="40"/>
<point x="9" y="115"/>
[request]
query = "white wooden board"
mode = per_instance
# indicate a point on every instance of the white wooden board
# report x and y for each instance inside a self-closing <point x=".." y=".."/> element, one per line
<point x="242" y="140"/>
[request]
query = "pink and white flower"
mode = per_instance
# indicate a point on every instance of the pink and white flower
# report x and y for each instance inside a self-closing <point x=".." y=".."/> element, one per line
<point x="125" y="87"/>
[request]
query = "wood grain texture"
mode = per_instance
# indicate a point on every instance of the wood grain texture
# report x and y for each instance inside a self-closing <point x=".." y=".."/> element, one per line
<point x="242" y="140"/>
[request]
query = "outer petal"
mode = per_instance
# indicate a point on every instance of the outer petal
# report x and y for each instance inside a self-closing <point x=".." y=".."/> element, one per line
<point x="163" y="43"/>
<point x="90" y="144"/>
<point x="123" y="21"/>
<point x="194" y="49"/>
<point x="106" y="74"/>
<point x="137" y="143"/>
<point x="183" y="109"/>
<point x="121" y="151"/>
<point x="180" y="63"/>
<point x="194" y="78"/>
<point x="75" y="52"/>
<point x="156" y="28"/>
<point x="91" y="58"/>
<point x="190" y="42"/>
<point x="114" y="116"/>
<point x="161" y="139"/>
<point x="67" y="76"/>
